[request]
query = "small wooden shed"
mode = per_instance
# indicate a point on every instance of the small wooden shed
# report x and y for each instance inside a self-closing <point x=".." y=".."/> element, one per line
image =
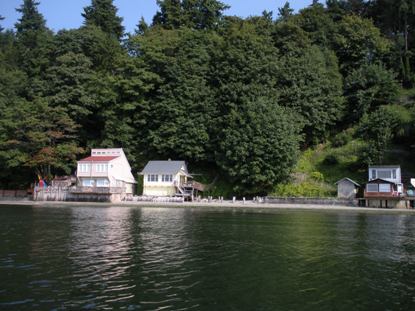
<point x="347" y="188"/>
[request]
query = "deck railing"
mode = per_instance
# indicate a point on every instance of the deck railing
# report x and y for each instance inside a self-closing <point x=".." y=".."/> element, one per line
<point x="98" y="190"/>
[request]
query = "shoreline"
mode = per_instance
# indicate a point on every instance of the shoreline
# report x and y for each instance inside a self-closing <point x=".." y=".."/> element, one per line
<point x="210" y="206"/>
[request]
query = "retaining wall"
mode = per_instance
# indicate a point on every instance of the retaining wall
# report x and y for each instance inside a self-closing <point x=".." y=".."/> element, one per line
<point x="315" y="201"/>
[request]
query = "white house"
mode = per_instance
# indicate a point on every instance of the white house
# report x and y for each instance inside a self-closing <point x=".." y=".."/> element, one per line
<point x="106" y="169"/>
<point x="165" y="178"/>
<point x="389" y="173"/>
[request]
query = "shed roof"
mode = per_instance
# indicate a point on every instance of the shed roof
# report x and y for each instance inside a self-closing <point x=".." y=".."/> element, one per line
<point x="348" y="179"/>
<point x="164" y="167"/>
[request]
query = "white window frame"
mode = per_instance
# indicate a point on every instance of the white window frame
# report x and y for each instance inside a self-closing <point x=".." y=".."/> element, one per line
<point x="84" y="167"/>
<point x="102" y="183"/>
<point x="152" y="178"/>
<point x="368" y="186"/>
<point x="87" y="182"/>
<point x="387" y="174"/>
<point x="167" y="178"/>
<point x="101" y="168"/>
<point x="384" y="187"/>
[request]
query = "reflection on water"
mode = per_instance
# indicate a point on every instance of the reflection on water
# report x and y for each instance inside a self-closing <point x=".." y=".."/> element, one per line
<point x="182" y="259"/>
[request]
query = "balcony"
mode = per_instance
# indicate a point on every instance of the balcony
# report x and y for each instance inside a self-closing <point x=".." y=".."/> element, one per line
<point x="382" y="195"/>
<point x="97" y="190"/>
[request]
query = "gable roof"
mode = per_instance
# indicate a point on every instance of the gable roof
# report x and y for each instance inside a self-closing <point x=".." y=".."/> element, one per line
<point x="164" y="167"/>
<point x="98" y="159"/>
<point x="379" y="180"/>
<point x="348" y="179"/>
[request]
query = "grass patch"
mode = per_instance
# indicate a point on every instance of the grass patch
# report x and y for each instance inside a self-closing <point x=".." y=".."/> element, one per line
<point x="320" y="167"/>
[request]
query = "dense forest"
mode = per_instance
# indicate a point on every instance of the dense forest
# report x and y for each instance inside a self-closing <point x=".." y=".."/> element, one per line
<point x="241" y="99"/>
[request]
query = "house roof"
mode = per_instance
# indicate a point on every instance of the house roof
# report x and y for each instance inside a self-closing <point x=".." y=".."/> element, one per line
<point x="164" y="167"/>
<point x="99" y="159"/>
<point x="348" y="179"/>
<point x="379" y="180"/>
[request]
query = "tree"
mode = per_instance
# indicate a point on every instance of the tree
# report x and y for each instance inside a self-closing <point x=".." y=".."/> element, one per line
<point x="179" y="123"/>
<point x="31" y="19"/>
<point x="259" y="147"/>
<point x="34" y="40"/>
<point x="196" y="14"/>
<point x="39" y="137"/>
<point x="357" y="42"/>
<point x="380" y="127"/>
<point x="142" y="27"/>
<point x="203" y="14"/>
<point x="368" y="87"/>
<point x="311" y="85"/>
<point x="169" y="15"/>
<point x="1" y="28"/>
<point x="315" y="21"/>
<point x="285" y="12"/>
<point x="103" y="14"/>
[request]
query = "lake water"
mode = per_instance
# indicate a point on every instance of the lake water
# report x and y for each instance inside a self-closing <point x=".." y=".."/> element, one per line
<point x="120" y="258"/>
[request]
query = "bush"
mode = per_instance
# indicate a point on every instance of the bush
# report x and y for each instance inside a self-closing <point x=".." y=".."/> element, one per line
<point x="342" y="139"/>
<point x="317" y="176"/>
<point x="304" y="189"/>
<point x="331" y="159"/>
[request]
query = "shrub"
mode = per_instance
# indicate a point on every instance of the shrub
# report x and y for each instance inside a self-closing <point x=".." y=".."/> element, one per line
<point x="331" y="159"/>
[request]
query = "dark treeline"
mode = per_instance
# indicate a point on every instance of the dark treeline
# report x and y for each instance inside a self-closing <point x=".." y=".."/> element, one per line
<point x="240" y="97"/>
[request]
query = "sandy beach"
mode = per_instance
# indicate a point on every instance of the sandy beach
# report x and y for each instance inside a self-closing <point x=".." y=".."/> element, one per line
<point x="239" y="205"/>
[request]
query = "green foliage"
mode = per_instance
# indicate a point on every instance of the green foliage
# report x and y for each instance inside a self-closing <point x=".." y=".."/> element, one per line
<point x="358" y="42"/>
<point x="343" y="138"/>
<point x="367" y="88"/>
<point x="236" y="96"/>
<point x="311" y="85"/>
<point x="308" y="189"/>
<point x="379" y="129"/>
<point x="30" y="139"/>
<point x="196" y="14"/>
<point x="285" y="12"/>
<point x="260" y="146"/>
<point x="103" y="14"/>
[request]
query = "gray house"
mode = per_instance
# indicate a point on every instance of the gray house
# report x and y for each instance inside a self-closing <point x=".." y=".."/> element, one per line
<point x="347" y="188"/>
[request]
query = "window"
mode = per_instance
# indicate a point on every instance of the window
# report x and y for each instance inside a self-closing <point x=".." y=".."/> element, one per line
<point x="372" y="188"/>
<point x="166" y="178"/>
<point x="84" y="168"/>
<point x="102" y="182"/>
<point x="152" y="178"/>
<point x="385" y="174"/>
<point x="373" y="174"/>
<point x="102" y="168"/>
<point x="385" y="188"/>
<point x="88" y="182"/>
<point x="394" y="174"/>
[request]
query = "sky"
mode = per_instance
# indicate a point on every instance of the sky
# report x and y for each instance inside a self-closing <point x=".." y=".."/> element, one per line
<point x="66" y="14"/>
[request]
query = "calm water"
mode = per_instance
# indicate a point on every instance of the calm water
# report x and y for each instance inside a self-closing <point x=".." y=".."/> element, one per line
<point x="181" y="259"/>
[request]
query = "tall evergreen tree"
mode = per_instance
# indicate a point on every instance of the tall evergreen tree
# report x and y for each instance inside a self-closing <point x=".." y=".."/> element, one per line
<point x="34" y="43"/>
<point x="103" y="14"/>
<point x="169" y="15"/>
<point x="203" y="14"/>
<point x="1" y="28"/>
<point x="142" y="26"/>
<point x="285" y="12"/>
<point x="31" y="19"/>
